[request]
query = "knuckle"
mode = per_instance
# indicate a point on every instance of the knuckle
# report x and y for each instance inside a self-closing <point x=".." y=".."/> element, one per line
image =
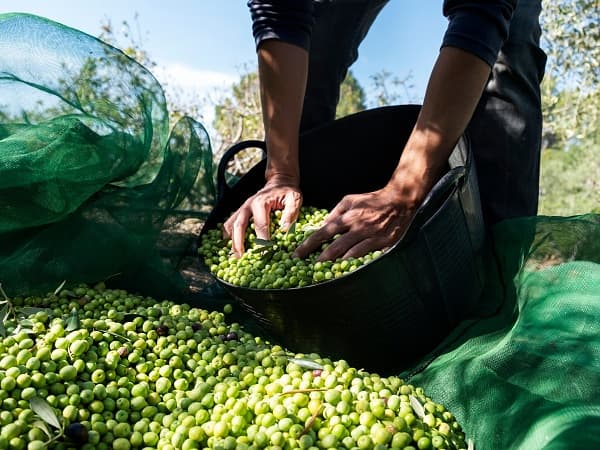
<point x="261" y="227"/>
<point x="238" y="222"/>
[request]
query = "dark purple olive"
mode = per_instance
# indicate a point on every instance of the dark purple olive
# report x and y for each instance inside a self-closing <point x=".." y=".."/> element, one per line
<point x="231" y="336"/>
<point x="162" y="330"/>
<point x="196" y="327"/>
<point x="77" y="433"/>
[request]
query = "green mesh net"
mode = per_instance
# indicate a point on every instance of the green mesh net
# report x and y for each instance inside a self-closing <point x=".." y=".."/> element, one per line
<point x="528" y="377"/>
<point x="91" y="180"/>
<point x="93" y="186"/>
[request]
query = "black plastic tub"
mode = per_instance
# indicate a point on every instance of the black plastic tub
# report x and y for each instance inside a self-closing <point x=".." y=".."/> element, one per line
<point x="394" y="310"/>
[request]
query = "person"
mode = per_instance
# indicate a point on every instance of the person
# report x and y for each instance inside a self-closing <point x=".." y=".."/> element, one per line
<point x="485" y="82"/>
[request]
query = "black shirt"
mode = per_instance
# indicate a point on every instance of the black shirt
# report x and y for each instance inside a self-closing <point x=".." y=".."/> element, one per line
<point x="478" y="27"/>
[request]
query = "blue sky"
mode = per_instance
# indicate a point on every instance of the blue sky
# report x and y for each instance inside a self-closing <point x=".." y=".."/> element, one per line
<point x="205" y="43"/>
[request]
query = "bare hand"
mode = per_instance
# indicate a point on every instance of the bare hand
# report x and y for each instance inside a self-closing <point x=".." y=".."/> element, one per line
<point x="275" y="195"/>
<point x="366" y="222"/>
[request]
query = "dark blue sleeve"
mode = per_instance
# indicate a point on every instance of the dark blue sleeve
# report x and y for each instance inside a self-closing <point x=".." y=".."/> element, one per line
<point x="478" y="27"/>
<point x="290" y="21"/>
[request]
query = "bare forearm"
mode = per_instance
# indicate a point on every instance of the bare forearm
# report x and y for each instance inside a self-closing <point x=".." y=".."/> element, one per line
<point x="455" y="87"/>
<point x="283" y="71"/>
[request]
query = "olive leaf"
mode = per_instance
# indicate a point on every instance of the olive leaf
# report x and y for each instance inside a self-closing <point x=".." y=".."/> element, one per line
<point x="26" y="323"/>
<point x="263" y="242"/>
<point x="4" y="293"/>
<point x="73" y="321"/>
<point x="306" y="363"/>
<point x="119" y="336"/>
<point x="23" y="329"/>
<point x="4" y="312"/>
<point x="470" y="445"/>
<point x="291" y="228"/>
<point x="70" y="294"/>
<point x="267" y="253"/>
<point x="59" y="288"/>
<point x="417" y="407"/>
<point x="43" y="409"/>
<point x="27" y="311"/>
<point x="264" y="248"/>
<point x="42" y="426"/>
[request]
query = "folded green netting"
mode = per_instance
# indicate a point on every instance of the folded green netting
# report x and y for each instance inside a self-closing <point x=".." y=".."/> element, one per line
<point x="528" y="377"/>
<point x="89" y="173"/>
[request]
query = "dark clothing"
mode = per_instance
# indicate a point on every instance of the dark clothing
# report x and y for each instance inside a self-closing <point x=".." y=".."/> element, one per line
<point x="505" y="131"/>
<point x="331" y="53"/>
<point x="287" y="20"/>
<point x="477" y="27"/>
<point x="506" y="128"/>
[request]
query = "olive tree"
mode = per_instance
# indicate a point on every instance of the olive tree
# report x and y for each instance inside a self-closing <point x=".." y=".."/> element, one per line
<point x="571" y="106"/>
<point x="571" y="89"/>
<point x="238" y="115"/>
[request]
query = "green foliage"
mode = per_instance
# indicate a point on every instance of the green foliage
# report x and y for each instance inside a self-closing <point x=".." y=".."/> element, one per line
<point x="131" y="42"/>
<point x="571" y="35"/>
<point x="570" y="180"/>
<point x="388" y="89"/>
<point x="352" y="97"/>
<point x="571" y="89"/>
<point x="571" y="106"/>
<point x="238" y="115"/>
<point x="133" y="45"/>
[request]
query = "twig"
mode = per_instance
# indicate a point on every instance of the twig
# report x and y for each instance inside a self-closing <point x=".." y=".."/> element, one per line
<point x="311" y="421"/>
